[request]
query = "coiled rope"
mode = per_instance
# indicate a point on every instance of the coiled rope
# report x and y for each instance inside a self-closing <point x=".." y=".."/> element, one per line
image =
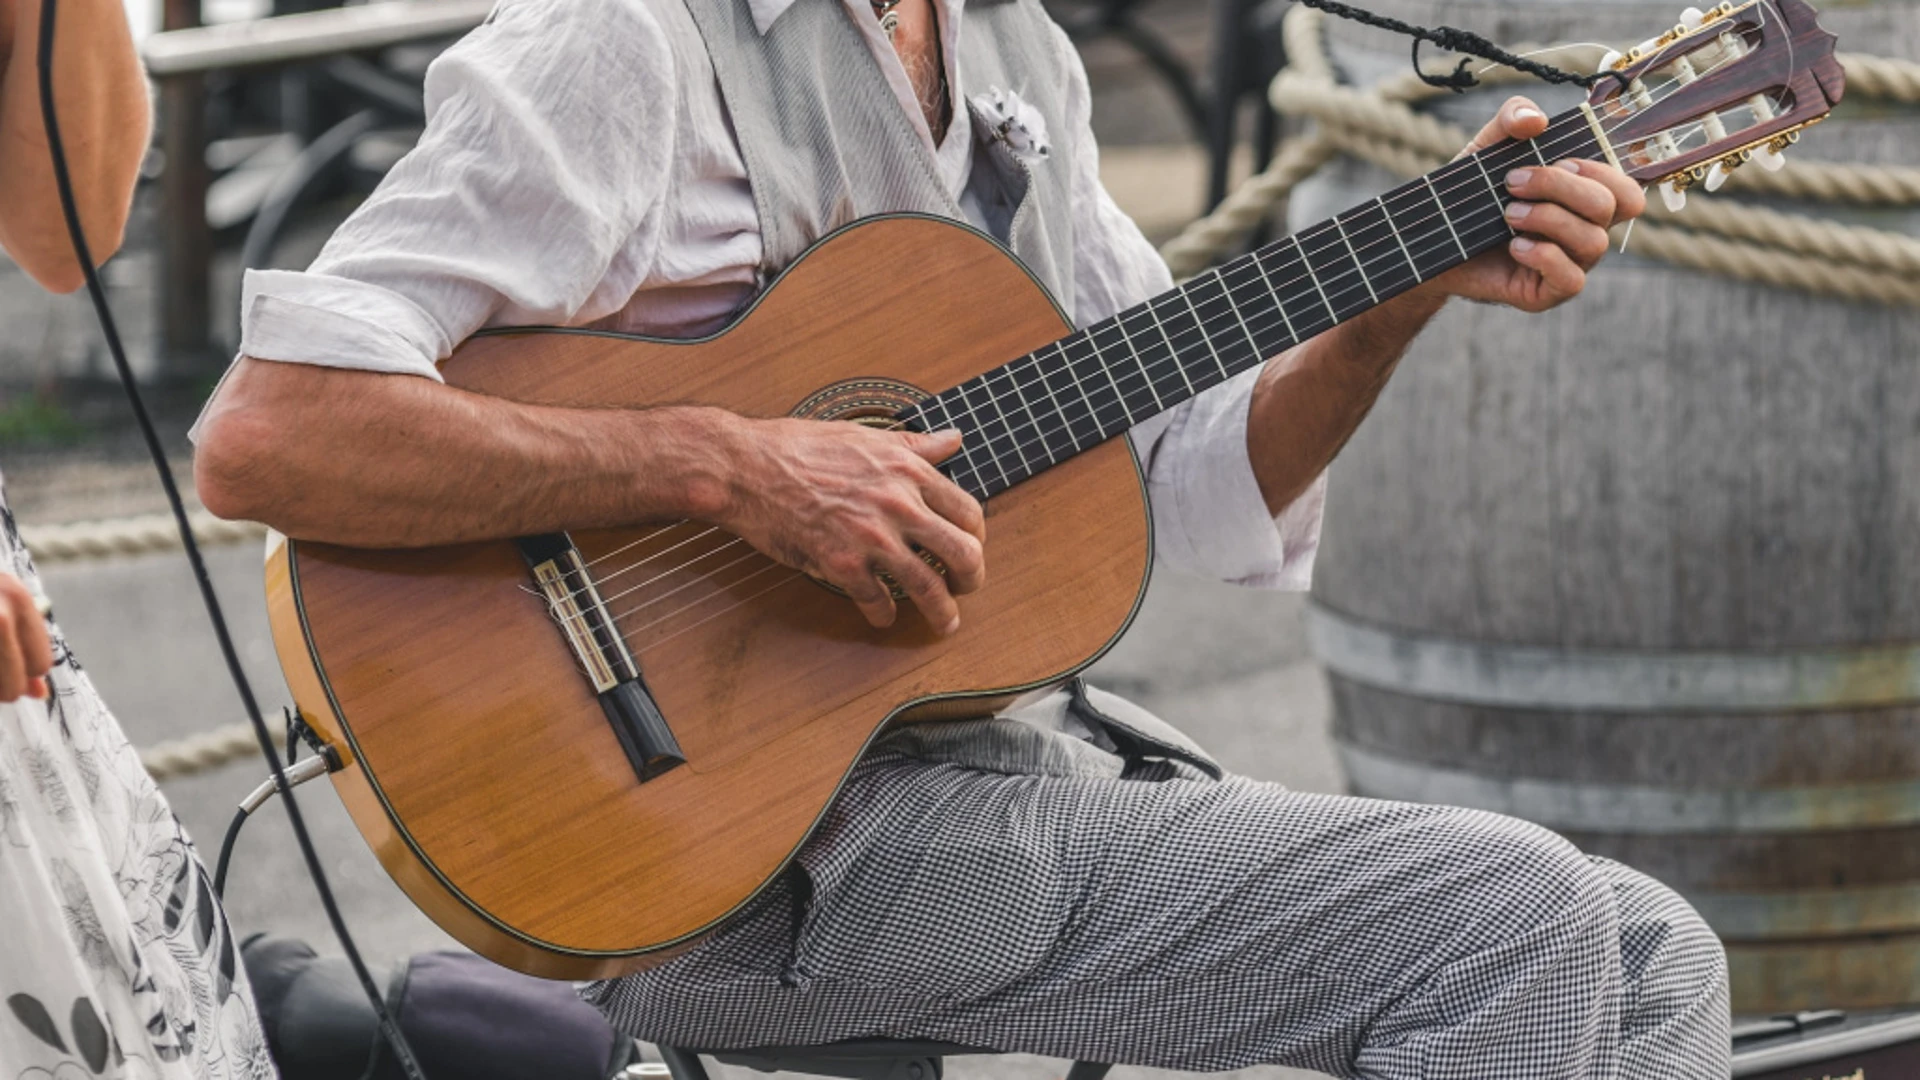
<point x="143" y="535"/>
<point x="1739" y="241"/>
<point x="204" y="751"/>
<point x="140" y="535"/>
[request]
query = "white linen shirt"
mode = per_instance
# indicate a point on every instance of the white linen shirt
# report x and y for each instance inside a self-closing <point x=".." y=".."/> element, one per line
<point x="578" y="168"/>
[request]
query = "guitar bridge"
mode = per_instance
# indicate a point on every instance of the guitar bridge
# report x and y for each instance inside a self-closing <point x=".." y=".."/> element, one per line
<point x="591" y="633"/>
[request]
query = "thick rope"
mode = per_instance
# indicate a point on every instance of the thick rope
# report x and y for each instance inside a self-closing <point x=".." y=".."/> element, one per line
<point x="204" y="751"/>
<point x="130" y="536"/>
<point x="144" y="535"/>
<point x="1750" y="243"/>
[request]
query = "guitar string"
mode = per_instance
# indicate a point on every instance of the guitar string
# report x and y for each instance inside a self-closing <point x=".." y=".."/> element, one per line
<point x="778" y="585"/>
<point x="1472" y="228"/>
<point x="1220" y="273"/>
<point x="1174" y="340"/>
<point x="773" y="565"/>
<point x="1145" y="375"/>
<point x="997" y="399"/>
<point x="1420" y="239"/>
<point x="712" y="576"/>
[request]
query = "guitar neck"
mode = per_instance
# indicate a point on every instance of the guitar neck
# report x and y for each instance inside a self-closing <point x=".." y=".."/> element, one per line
<point x="1024" y="417"/>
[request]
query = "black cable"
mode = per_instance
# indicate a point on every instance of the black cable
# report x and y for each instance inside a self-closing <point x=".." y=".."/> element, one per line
<point x="70" y="207"/>
<point x="226" y="852"/>
<point x="1457" y="40"/>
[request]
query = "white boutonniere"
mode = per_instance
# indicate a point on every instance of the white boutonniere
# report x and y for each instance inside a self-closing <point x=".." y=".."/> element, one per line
<point x="1012" y="121"/>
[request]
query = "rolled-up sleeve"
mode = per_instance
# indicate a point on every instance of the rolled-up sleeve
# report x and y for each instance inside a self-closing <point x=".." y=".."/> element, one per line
<point x="1209" y="517"/>
<point x="520" y="194"/>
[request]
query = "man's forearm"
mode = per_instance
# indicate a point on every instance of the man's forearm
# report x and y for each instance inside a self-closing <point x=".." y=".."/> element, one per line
<point x="1308" y="402"/>
<point x="100" y="93"/>
<point x="376" y="460"/>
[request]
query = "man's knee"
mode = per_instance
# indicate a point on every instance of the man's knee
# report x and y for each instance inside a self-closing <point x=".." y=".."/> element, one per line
<point x="1668" y="954"/>
<point x="1494" y="879"/>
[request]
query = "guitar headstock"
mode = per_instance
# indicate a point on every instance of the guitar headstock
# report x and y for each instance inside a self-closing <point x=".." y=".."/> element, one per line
<point x="1723" y="87"/>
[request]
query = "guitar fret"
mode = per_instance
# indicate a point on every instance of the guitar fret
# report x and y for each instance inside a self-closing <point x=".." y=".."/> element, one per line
<point x="1100" y="424"/>
<point x="1429" y="242"/>
<point x="1446" y="217"/>
<point x="1279" y="302"/>
<point x="1538" y="156"/>
<point x="1357" y="264"/>
<point x="1307" y="262"/>
<point x="981" y="427"/>
<point x="1484" y="175"/>
<point x="965" y="456"/>
<point x="1402" y="241"/>
<point x="1138" y="362"/>
<point x="1296" y="286"/>
<point x="1187" y="295"/>
<point x="1059" y="409"/>
<point x="1014" y="378"/>
<point x="1154" y="313"/>
<point x="1252" y="342"/>
<point x="1122" y="398"/>
<point x="1013" y="434"/>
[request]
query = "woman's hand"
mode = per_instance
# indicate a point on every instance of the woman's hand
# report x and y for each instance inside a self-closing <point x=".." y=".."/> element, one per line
<point x="26" y="654"/>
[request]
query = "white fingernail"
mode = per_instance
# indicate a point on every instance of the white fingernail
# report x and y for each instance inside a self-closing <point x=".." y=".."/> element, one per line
<point x="1570" y="164"/>
<point x="952" y="627"/>
<point x="1525" y="113"/>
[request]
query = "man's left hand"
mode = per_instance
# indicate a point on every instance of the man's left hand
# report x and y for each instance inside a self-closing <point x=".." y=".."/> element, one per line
<point x="1561" y="215"/>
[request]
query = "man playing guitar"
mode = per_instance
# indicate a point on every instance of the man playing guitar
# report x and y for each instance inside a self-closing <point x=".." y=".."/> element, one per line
<point x="1024" y="883"/>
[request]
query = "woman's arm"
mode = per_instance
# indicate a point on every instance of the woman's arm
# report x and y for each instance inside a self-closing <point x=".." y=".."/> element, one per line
<point x="100" y="94"/>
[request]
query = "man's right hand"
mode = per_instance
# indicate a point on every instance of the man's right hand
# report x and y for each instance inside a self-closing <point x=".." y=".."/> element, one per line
<point x="847" y="503"/>
<point x="369" y="460"/>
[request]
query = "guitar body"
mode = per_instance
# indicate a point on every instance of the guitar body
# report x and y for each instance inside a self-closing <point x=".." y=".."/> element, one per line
<point x="479" y="762"/>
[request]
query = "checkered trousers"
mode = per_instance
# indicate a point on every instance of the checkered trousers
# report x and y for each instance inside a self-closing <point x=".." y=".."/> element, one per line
<point x="1202" y="926"/>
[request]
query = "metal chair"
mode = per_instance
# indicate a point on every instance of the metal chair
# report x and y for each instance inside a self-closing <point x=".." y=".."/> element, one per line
<point x="859" y="1059"/>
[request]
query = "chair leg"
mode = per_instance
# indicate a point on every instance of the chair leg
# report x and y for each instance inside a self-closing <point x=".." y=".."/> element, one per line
<point x="1088" y="1070"/>
<point x="685" y="1064"/>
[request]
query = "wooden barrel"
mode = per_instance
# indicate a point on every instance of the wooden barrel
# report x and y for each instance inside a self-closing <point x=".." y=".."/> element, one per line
<point x="1646" y="570"/>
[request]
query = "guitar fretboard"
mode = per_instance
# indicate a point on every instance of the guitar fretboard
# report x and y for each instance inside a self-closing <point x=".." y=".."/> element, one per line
<point x="1043" y="408"/>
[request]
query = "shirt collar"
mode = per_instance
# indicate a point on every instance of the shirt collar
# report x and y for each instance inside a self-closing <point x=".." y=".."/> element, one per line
<point x="766" y="11"/>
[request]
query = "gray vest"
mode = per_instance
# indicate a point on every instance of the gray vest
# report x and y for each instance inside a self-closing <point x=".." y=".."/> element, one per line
<point x="826" y="141"/>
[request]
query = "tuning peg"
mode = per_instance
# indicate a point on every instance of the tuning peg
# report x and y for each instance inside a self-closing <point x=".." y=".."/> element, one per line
<point x="1611" y="61"/>
<point x="1692" y="17"/>
<point x="1768" y="158"/>
<point x="1673" y="195"/>
<point x="1716" y="176"/>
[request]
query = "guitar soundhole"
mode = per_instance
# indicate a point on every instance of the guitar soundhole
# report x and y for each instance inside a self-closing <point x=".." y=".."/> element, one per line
<point x="873" y="402"/>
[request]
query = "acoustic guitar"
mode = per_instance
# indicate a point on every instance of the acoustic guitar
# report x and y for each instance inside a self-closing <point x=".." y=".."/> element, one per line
<point x="579" y="752"/>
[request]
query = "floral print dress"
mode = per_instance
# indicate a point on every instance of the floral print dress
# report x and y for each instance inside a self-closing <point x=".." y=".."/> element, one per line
<point x="115" y="958"/>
